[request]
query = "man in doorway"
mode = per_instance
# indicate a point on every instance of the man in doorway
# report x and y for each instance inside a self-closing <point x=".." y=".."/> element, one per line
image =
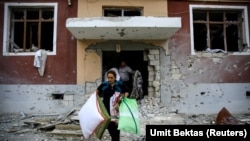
<point x="124" y="72"/>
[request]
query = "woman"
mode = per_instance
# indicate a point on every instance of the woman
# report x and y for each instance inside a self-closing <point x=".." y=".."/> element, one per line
<point x="106" y="90"/>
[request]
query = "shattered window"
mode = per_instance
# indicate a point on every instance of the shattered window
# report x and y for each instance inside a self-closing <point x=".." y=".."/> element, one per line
<point x="29" y="28"/>
<point x="122" y="11"/>
<point x="218" y="30"/>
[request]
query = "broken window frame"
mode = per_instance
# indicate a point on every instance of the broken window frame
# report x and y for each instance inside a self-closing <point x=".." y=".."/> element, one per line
<point x="122" y="10"/>
<point x="9" y="33"/>
<point x="242" y="23"/>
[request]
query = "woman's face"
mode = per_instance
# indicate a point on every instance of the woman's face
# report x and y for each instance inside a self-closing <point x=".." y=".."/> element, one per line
<point x="111" y="78"/>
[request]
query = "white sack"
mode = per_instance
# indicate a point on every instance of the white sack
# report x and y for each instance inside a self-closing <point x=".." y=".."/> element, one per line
<point x="90" y="116"/>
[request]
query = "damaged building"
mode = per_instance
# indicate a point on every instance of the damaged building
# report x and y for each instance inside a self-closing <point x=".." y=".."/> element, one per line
<point x="194" y="55"/>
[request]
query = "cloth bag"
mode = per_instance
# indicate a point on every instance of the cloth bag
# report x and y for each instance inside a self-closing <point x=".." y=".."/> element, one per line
<point x="114" y="106"/>
<point x="101" y="127"/>
<point x="93" y="117"/>
<point x="129" y="116"/>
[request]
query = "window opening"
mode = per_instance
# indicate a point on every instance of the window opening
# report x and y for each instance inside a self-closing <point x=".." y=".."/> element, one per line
<point x="31" y="29"/>
<point x="248" y="93"/>
<point x="218" y="29"/>
<point x="122" y="11"/>
<point x="57" y="96"/>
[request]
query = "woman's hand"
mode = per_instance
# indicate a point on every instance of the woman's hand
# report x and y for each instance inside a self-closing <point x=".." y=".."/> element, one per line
<point x="126" y="94"/>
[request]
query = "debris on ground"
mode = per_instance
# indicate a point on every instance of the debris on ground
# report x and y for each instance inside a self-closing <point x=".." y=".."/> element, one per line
<point x="66" y="127"/>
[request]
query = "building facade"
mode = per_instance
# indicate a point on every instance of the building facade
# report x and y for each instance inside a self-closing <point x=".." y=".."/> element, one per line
<point x="193" y="55"/>
<point x="28" y="26"/>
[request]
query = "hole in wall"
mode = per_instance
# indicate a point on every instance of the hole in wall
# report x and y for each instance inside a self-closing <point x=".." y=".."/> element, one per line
<point x="202" y="93"/>
<point x="134" y="59"/>
<point x="248" y="93"/>
<point x="57" y="96"/>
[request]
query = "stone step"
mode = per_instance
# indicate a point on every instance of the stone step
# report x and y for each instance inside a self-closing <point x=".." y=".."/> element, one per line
<point x="68" y="127"/>
<point x="66" y="132"/>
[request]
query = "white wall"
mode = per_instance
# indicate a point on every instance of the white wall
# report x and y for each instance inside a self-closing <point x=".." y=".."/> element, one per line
<point x="38" y="98"/>
<point x="210" y="98"/>
<point x="186" y="98"/>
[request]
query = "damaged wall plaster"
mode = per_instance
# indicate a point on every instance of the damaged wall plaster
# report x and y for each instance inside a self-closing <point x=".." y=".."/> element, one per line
<point x="38" y="99"/>
<point x="189" y="86"/>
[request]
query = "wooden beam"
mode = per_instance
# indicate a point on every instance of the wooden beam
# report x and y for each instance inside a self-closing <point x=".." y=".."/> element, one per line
<point x="24" y="30"/>
<point x="208" y="32"/>
<point x="225" y="31"/>
<point x="39" y="29"/>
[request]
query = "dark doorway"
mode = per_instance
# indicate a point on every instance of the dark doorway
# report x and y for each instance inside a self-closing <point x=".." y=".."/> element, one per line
<point x="134" y="59"/>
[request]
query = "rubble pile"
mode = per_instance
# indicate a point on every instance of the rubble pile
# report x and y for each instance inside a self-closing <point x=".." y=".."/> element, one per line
<point x="66" y="127"/>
